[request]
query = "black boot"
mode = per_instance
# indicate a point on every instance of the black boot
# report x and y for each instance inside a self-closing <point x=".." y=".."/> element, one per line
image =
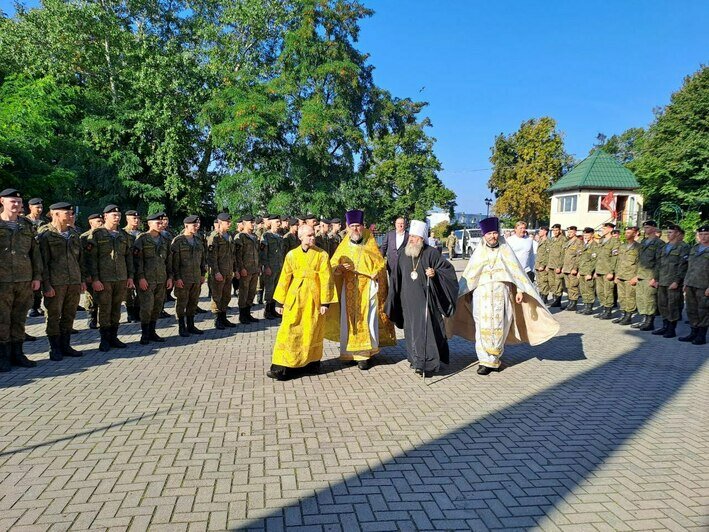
<point x="556" y="303"/>
<point x="607" y="313"/>
<point x="182" y="327"/>
<point x="218" y="322"/>
<point x="65" y="343"/>
<point x="587" y="309"/>
<point x="93" y="324"/>
<point x="671" y="328"/>
<point x="627" y="319"/>
<point x="248" y="312"/>
<point x="191" y="327"/>
<point x="690" y="337"/>
<point x="200" y="311"/>
<point x="580" y="307"/>
<point x="259" y="297"/>
<point x="364" y="365"/>
<point x="662" y="330"/>
<point x="641" y="323"/>
<point x="18" y="358"/>
<point x="113" y="339"/>
<point x="105" y="344"/>
<point x="270" y="312"/>
<point x="153" y="335"/>
<point x="701" y="336"/>
<point x="621" y="317"/>
<point x="244" y="315"/>
<point x="5" y="365"/>
<point x="55" y="348"/>
<point x="144" y="333"/>
<point x="226" y="322"/>
<point x="572" y="305"/>
<point x="649" y="323"/>
<point x="484" y="370"/>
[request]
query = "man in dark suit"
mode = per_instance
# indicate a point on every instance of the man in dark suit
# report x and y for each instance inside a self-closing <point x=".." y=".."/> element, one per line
<point x="393" y="242"/>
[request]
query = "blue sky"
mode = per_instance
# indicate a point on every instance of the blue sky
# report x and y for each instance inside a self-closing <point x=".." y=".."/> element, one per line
<point x="484" y="67"/>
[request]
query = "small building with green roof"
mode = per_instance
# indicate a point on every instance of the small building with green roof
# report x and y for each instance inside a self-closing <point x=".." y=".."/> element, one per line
<point x="576" y="198"/>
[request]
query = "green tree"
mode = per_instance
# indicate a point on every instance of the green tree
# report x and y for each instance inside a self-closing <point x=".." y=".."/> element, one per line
<point x="624" y="147"/>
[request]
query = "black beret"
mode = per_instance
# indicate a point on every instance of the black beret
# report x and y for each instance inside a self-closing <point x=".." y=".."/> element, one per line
<point x="674" y="227"/>
<point x="544" y="228"/>
<point x="224" y="217"/>
<point x="284" y="218"/>
<point x="131" y="213"/>
<point x="293" y="221"/>
<point x="94" y="216"/>
<point x="61" y="206"/>
<point x="615" y="232"/>
<point x="247" y="218"/>
<point x="572" y="227"/>
<point x="703" y="228"/>
<point x="310" y="217"/>
<point x="258" y="220"/>
<point x="633" y="227"/>
<point x="35" y="201"/>
<point x="192" y="219"/>
<point x="156" y="216"/>
<point x="335" y="221"/>
<point x="325" y="220"/>
<point x="556" y="226"/>
<point x="111" y="208"/>
<point x="10" y="193"/>
<point x="273" y="217"/>
<point x="609" y="224"/>
<point x="301" y="217"/>
<point x="588" y="230"/>
<point x="651" y="223"/>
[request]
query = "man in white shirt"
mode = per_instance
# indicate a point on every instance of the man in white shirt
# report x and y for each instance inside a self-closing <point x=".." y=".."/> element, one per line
<point x="523" y="248"/>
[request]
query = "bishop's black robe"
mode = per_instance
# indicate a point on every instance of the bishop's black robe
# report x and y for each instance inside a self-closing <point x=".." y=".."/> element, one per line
<point x="426" y="342"/>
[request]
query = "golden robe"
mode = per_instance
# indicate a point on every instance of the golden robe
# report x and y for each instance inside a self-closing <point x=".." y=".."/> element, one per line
<point x="364" y="291"/>
<point x="305" y="284"/>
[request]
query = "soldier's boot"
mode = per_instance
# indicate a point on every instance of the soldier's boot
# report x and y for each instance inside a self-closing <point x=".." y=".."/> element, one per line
<point x="93" y="323"/>
<point x="244" y="315"/>
<point x="30" y="338"/>
<point x="640" y="323"/>
<point x="607" y="313"/>
<point x="200" y="311"/>
<point x="259" y="297"/>
<point x="251" y="317"/>
<point x="621" y="317"/>
<point x="154" y="337"/>
<point x="662" y="330"/>
<point x="144" y="333"/>
<point x="182" y="327"/>
<point x="572" y="305"/>
<point x="627" y="319"/>
<point x="191" y="327"/>
<point x="5" y="365"/>
<point x="113" y="338"/>
<point x="18" y="358"/>
<point x="692" y="334"/>
<point x="65" y="343"/>
<point x="701" y="337"/>
<point x="218" y="324"/>
<point x="587" y="309"/>
<point x="671" y="328"/>
<point x="226" y="322"/>
<point x="649" y="323"/>
<point x="580" y="306"/>
<point x="105" y="344"/>
<point x="556" y="303"/>
<point x="270" y="312"/>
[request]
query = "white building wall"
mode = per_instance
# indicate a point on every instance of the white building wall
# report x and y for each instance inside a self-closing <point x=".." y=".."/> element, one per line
<point x="583" y="217"/>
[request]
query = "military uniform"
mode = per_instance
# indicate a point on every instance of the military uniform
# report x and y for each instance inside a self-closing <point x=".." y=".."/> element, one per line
<point x="555" y="261"/>
<point x="110" y="261"/>
<point x="540" y="265"/>
<point x="572" y="251"/>
<point x="606" y="262"/>
<point x="290" y="241"/>
<point x="247" y="258"/>
<point x="37" y="225"/>
<point x="221" y="259"/>
<point x="152" y="262"/>
<point x="323" y="242"/>
<point x="20" y="264"/>
<point x="271" y="256"/>
<point x="586" y="267"/>
<point x="189" y="265"/>
<point x="672" y="268"/>
<point x="626" y="269"/>
<point x="451" y="241"/>
<point x="335" y="241"/>
<point x="696" y="282"/>
<point x="132" y="300"/>
<point x="646" y="295"/>
<point x="63" y="266"/>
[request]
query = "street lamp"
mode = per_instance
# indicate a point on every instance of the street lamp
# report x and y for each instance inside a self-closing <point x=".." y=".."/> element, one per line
<point x="488" y="202"/>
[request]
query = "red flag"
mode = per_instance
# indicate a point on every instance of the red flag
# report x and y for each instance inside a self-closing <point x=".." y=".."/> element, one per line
<point x="608" y="203"/>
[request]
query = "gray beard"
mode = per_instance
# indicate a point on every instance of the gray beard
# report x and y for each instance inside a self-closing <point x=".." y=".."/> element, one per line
<point x="413" y="250"/>
<point x="356" y="239"/>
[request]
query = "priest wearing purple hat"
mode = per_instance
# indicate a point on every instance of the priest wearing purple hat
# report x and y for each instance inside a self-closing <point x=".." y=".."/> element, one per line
<point x="358" y="321"/>
<point x="497" y="303"/>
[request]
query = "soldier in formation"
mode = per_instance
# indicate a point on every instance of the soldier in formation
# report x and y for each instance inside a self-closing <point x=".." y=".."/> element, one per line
<point x="586" y="271"/>
<point x="647" y="273"/>
<point x="541" y="260"/>
<point x="672" y="269"/>
<point x="132" y="229"/>
<point x="271" y="259"/>
<point x="555" y="262"/>
<point x="696" y="288"/>
<point x="247" y="263"/>
<point x="606" y="262"/>
<point x="221" y="263"/>
<point x="95" y="220"/>
<point x="573" y="247"/>
<point x="188" y="268"/>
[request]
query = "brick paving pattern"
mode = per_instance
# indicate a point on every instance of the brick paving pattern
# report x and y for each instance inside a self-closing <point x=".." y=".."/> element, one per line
<point x="602" y="428"/>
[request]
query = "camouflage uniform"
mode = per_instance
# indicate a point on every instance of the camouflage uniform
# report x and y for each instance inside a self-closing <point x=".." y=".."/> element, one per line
<point x="672" y="269"/>
<point x="335" y="241"/>
<point x="221" y="258"/>
<point x="290" y="241"/>
<point x="646" y="295"/>
<point x="540" y="266"/>
<point x="696" y="282"/>
<point x="626" y="269"/>
<point x="189" y="265"/>
<point x="153" y="262"/>
<point x="606" y="261"/>
<point x="271" y="256"/>
<point x="587" y="266"/>
<point x="132" y="300"/>
<point x="572" y="251"/>
<point x="555" y="261"/>
<point x="247" y="258"/>
<point x="451" y="241"/>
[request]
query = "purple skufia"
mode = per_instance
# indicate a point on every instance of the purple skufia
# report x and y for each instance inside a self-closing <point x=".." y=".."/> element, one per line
<point x="354" y="217"/>
<point x="489" y="224"/>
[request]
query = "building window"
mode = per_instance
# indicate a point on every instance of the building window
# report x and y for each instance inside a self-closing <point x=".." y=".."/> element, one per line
<point x="566" y="203"/>
<point x="594" y="202"/>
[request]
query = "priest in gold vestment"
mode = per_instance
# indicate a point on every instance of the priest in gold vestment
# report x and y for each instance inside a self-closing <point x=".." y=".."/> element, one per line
<point x="497" y="303"/>
<point x="358" y="321"/>
<point x="304" y="291"/>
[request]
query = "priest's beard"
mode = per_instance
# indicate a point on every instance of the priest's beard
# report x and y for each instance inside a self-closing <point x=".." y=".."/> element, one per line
<point x="356" y="239"/>
<point x="413" y="249"/>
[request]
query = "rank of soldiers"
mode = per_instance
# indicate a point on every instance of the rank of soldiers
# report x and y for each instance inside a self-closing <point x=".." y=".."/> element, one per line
<point x="114" y="265"/>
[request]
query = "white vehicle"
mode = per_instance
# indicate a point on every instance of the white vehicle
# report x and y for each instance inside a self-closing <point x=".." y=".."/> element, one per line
<point x="468" y="240"/>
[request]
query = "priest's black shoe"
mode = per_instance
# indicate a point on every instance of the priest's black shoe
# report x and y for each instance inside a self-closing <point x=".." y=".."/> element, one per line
<point x="364" y="365"/>
<point x="484" y="370"/>
<point x="313" y="368"/>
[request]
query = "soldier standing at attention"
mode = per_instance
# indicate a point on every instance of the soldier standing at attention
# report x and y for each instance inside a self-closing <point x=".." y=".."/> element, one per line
<point x="259" y="230"/>
<point x="290" y="241"/>
<point x="247" y="262"/>
<point x="221" y="262"/>
<point x="587" y="267"/>
<point x="95" y="220"/>
<point x="573" y="248"/>
<point x="64" y="279"/>
<point x="110" y="266"/>
<point x="540" y="263"/>
<point x="152" y="275"/>
<point x="555" y="261"/>
<point x="606" y="261"/>
<point x="322" y="239"/>
<point x="189" y="267"/>
<point x="696" y="288"/>
<point x="671" y="271"/>
<point x="285" y="224"/>
<point x="272" y="255"/>
<point x="132" y="228"/>
<point x="20" y="276"/>
<point x="648" y="262"/>
<point x="34" y="215"/>
<point x="626" y="275"/>
<point x="335" y="238"/>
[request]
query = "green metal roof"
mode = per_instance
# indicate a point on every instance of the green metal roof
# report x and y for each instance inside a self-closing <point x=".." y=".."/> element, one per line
<point x="598" y="170"/>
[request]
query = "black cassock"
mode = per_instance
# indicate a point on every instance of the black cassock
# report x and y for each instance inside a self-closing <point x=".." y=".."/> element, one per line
<point x="426" y="343"/>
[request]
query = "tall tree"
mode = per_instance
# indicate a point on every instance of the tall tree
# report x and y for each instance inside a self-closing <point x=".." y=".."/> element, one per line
<point x="624" y="147"/>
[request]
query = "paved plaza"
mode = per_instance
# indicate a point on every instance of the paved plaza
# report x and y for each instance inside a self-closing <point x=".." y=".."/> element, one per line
<point x="601" y="428"/>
